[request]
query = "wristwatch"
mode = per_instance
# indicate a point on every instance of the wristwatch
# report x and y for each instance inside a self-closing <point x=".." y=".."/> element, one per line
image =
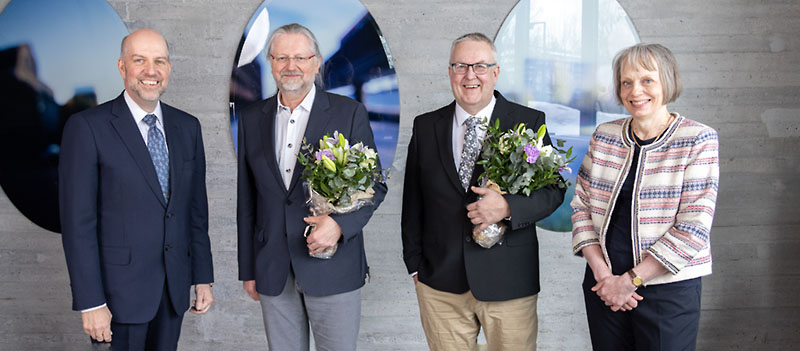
<point x="635" y="279"/>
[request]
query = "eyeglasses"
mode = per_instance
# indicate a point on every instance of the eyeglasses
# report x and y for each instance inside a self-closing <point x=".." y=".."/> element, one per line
<point x="297" y="59"/>
<point x="478" y="68"/>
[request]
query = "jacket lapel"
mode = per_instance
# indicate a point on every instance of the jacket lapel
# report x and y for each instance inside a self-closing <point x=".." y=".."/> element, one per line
<point x="174" y="140"/>
<point x="503" y="113"/>
<point x="267" y="128"/>
<point x="317" y="124"/>
<point x="444" y="137"/>
<point x="132" y="138"/>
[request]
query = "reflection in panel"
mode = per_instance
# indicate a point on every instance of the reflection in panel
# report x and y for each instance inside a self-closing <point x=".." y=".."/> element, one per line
<point x="556" y="57"/>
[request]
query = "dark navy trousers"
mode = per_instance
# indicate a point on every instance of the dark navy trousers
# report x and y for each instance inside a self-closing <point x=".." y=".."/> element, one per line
<point x="160" y="334"/>
<point x="667" y="319"/>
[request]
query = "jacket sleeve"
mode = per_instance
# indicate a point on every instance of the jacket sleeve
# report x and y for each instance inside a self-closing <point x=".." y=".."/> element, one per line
<point x="411" y="218"/>
<point x="245" y="209"/>
<point x="352" y="223"/>
<point x="78" y="189"/>
<point x="692" y="228"/>
<point x="202" y="266"/>
<point x="583" y="231"/>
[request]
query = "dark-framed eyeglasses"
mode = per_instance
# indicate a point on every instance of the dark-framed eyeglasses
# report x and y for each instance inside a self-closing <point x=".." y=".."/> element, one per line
<point x="478" y="68"/>
<point x="286" y="59"/>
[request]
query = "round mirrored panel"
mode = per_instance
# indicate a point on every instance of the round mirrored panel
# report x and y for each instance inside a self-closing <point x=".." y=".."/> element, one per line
<point x="58" y="58"/>
<point x="357" y="62"/>
<point x="556" y="57"/>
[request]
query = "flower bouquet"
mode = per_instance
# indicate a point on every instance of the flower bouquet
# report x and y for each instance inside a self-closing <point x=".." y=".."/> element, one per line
<point x="517" y="161"/>
<point x="339" y="178"/>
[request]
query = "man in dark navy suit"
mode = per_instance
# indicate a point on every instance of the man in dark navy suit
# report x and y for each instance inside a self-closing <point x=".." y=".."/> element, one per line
<point x="294" y="288"/>
<point x="134" y="211"/>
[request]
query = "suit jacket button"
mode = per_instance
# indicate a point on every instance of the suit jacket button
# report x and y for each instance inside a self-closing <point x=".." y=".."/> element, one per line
<point x="169" y="214"/>
<point x="288" y="202"/>
<point x="468" y="238"/>
<point x="166" y="248"/>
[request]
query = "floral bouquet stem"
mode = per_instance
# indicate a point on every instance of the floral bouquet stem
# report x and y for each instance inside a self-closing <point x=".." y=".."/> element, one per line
<point x="493" y="234"/>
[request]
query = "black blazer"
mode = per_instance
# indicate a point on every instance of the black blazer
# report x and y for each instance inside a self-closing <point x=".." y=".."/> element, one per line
<point x="122" y="240"/>
<point x="437" y="235"/>
<point x="270" y="218"/>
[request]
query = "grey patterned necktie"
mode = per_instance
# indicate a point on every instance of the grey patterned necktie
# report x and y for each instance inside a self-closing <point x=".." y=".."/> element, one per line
<point x="470" y="152"/>
<point x="158" y="153"/>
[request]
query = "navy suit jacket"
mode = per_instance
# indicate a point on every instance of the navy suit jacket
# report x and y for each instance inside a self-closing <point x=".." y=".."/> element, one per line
<point x="437" y="235"/>
<point x="270" y="218"/>
<point x="122" y="240"/>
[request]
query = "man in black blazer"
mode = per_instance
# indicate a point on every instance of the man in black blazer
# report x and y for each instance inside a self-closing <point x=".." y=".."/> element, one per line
<point x="461" y="286"/>
<point x="133" y="204"/>
<point x="294" y="288"/>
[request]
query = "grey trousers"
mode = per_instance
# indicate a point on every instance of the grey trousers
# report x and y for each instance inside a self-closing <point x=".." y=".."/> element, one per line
<point x="334" y="319"/>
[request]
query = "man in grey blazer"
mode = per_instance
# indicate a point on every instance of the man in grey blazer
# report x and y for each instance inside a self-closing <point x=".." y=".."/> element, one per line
<point x="294" y="288"/>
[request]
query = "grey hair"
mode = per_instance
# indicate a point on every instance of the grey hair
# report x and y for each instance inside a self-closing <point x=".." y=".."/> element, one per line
<point x="475" y="36"/>
<point x="295" y="28"/>
<point x="650" y="57"/>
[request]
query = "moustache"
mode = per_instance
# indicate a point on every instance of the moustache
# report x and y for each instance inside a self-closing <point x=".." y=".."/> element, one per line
<point x="294" y="73"/>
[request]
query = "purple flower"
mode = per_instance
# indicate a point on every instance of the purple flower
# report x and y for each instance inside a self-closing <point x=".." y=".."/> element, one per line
<point x="326" y="153"/>
<point x="565" y="169"/>
<point x="532" y="152"/>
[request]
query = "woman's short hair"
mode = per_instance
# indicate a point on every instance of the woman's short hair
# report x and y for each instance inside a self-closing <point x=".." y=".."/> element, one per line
<point x="650" y="57"/>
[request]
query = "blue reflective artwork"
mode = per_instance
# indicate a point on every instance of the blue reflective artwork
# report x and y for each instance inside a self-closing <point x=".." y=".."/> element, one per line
<point x="57" y="58"/>
<point x="358" y="63"/>
<point x="556" y="57"/>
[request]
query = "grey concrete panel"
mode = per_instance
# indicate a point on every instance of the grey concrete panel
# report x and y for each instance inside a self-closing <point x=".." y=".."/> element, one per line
<point x="739" y="60"/>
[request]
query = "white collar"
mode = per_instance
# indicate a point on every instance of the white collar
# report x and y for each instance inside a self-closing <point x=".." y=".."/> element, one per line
<point x="138" y="113"/>
<point x="484" y="114"/>
<point x="307" y="102"/>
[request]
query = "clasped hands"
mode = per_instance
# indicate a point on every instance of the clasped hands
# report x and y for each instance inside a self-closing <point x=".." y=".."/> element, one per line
<point x="617" y="291"/>
<point x="490" y="209"/>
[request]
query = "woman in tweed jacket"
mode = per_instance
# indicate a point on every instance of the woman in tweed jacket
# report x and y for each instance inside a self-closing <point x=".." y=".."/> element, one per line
<point x="642" y="212"/>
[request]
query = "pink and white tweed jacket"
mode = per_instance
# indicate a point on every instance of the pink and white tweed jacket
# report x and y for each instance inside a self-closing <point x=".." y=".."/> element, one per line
<point x="674" y="195"/>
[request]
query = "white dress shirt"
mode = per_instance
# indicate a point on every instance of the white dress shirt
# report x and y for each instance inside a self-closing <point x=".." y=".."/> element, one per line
<point x="138" y="117"/>
<point x="290" y="126"/>
<point x="460" y="128"/>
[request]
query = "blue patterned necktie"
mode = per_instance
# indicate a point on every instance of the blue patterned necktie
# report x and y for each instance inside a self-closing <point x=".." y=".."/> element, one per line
<point x="158" y="153"/>
<point x="470" y="152"/>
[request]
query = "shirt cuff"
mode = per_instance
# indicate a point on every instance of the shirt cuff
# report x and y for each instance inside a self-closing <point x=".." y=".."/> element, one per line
<point x="93" y="308"/>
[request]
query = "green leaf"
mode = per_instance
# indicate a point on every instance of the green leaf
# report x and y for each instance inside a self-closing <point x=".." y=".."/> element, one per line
<point x="540" y="133"/>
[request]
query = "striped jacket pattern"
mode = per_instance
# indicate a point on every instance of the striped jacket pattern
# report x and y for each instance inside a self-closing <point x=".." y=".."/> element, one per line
<point x="674" y="195"/>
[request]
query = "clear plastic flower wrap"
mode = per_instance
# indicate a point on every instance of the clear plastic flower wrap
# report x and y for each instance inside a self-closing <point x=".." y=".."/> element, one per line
<point x="493" y="234"/>
<point x="320" y="205"/>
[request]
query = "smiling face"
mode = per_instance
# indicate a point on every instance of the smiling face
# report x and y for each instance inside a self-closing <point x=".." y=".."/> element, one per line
<point x="473" y="92"/>
<point x="641" y="91"/>
<point x="145" y="67"/>
<point x="291" y="76"/>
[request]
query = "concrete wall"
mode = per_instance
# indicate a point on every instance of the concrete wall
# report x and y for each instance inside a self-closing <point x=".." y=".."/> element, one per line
<point x="741" y="66"/>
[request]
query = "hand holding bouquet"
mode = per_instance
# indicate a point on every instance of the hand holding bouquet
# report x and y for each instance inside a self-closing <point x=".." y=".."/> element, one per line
<point x="517" y="161"/>
<point x="339" y="178"/>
